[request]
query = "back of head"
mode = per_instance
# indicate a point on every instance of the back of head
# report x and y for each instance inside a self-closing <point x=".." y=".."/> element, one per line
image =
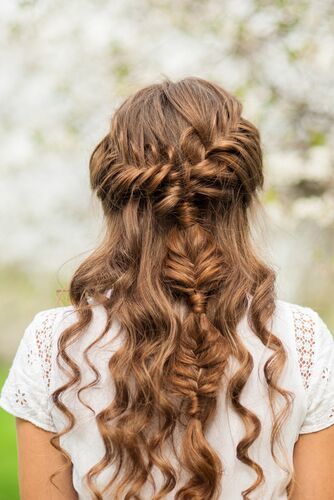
<point x="177" y="175"/>
<point x="180" y="162"/>
<point x="178" y="143"/>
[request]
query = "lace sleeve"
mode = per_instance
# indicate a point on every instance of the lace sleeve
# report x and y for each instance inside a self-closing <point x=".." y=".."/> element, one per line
<point x="315" y="347"/>
<point x="25" y="393"/>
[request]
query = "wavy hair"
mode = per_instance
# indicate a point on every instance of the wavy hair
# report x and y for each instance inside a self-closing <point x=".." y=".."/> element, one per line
<point x="178" y="175"/>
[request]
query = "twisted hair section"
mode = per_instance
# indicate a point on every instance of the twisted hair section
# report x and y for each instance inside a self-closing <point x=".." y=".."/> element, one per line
<point x="177" y="176"/>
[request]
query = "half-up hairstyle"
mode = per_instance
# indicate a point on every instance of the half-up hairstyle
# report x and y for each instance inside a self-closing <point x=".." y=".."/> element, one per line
<point x="177" y="176"/>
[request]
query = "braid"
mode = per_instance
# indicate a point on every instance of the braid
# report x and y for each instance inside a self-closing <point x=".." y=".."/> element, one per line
<point x="191" y="268"/>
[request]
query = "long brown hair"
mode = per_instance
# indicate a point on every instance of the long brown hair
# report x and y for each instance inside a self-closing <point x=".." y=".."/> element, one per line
<point x="177" y="175"/>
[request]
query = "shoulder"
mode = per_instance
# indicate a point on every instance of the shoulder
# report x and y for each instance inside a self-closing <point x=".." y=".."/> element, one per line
<point x="40" y="337"/>
<point x="295" y="310"/>
<point x="26" y="390"/>
<point x="295" y="323"/>
<point x="306" y="322"/>
<point x="43" y="325"/>
<point x="47" y="320"/>
<point x="313" y="340"/>
<point x="53" y="315"/>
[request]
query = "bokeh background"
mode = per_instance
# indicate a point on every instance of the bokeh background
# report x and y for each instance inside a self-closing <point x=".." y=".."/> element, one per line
<point x="67" y="65"/>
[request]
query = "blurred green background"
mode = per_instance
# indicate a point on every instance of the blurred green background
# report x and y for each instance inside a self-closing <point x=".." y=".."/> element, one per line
<point x="68" y="64"/>
<point x="8" y="458"/>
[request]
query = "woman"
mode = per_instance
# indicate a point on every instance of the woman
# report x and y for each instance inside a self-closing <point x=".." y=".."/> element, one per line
<point x="176" y="372"/>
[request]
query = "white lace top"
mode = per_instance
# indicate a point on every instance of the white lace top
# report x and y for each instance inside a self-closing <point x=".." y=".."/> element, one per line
<point x="309" y="373"/>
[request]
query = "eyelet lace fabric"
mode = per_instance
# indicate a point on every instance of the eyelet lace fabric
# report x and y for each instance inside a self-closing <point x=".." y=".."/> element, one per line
<point x="26" y="391"/>
<point x="315" y="349"/>
<point x="304" y="326"/>
<point x="44" y="345"/>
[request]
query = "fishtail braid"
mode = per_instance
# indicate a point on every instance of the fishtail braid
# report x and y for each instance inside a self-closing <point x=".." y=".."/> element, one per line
<point x="192" y="268"/>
